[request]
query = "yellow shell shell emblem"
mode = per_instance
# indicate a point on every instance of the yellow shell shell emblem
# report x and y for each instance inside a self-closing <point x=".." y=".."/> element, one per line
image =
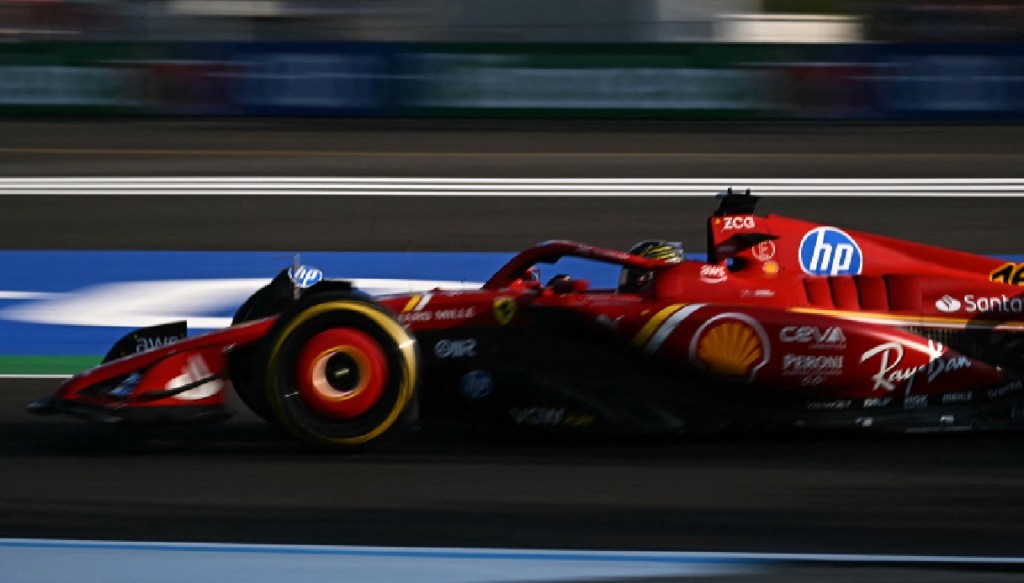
<point x="504" y="309"/>
<point x="730" y="348"/>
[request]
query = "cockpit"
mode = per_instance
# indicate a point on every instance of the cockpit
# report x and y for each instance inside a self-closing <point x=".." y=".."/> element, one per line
<point x="581" y="268"/>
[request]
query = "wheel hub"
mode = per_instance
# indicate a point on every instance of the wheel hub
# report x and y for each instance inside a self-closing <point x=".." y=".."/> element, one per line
<point x="341" y="372"/>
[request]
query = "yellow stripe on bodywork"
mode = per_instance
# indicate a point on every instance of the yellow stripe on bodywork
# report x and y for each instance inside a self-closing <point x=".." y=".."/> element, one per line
<point x="412" y="303"/>
<point x="653" y="324"/>
<point x="911" y="320"/>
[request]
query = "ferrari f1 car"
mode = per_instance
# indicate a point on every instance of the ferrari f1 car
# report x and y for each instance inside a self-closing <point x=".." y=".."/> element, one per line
<point x="787" y="324"/>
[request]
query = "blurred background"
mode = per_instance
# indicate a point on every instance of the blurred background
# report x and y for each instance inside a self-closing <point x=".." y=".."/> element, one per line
<point x="604" y="21"/>
<point x="109" y="88"/>
<point x="773" y="59"/>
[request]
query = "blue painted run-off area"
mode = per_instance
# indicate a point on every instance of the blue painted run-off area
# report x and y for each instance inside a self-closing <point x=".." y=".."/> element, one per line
<point x="25" y="275"/>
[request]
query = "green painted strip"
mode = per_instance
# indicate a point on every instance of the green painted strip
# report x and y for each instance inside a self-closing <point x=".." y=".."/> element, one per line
<point x="46" y="364"/>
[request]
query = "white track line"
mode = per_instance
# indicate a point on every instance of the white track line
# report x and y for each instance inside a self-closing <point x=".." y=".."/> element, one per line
<point x="510" y="187"/>
<point x="424" y="180"/>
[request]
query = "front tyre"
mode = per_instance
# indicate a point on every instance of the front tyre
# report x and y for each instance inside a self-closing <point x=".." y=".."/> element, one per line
<point x="340" y="371"/>
<point x="246" y="372"/>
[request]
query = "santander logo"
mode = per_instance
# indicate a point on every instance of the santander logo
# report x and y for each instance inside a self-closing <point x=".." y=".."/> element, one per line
<point x="947" y="304"/>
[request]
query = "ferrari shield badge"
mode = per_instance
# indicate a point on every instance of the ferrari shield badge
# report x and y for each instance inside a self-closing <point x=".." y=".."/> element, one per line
<point x="504" y="309"/>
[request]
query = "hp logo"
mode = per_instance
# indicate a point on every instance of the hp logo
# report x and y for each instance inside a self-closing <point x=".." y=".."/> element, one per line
<point x="829" y="251"/>
<point x="477" y="384"/>
<point x="305" y="276"/>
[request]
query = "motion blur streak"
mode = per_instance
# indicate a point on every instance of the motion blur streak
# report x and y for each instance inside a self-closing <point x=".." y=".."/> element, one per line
<point x="43" y="560"/>
<point x="515" y="20"/>
<point x="50" y="560"/>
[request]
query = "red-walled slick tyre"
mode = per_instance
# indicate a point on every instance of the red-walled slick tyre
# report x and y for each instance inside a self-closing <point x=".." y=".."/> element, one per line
<point x="340" y="371"/>
<point x="246" y="367"/>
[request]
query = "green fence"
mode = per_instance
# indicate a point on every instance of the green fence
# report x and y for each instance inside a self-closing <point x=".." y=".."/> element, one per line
<point x="591" y="80"/>
<point x="73" y="78"/>
<point x="700" y="81"/>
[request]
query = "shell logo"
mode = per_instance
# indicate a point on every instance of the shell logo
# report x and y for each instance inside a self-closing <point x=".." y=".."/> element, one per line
<point x="731" y="345"/>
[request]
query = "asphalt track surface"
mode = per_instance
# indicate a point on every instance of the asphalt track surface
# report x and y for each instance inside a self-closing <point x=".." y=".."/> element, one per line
<point x="487" y="149"/>
<point x="941" y="494"/>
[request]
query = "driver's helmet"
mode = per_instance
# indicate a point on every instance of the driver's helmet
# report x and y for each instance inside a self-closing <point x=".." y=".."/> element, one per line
<point x="633" y="280"/>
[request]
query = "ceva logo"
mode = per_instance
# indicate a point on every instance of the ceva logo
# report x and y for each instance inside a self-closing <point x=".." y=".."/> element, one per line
<point x="829" y="251"/>
<point x="947" y="304"/>
<point x="305" y="276"/>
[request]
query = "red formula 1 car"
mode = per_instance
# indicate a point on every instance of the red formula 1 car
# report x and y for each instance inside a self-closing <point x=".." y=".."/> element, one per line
<point x="787" y="324"/>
